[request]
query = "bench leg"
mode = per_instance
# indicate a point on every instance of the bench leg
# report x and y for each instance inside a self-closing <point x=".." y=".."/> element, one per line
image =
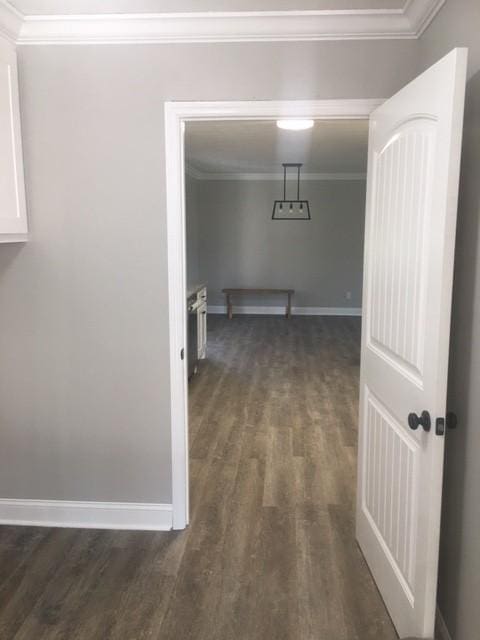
<point x="229" y="307"/>
<point x="289" y="306"/>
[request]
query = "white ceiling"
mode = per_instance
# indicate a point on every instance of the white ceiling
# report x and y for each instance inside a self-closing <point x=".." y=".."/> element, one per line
<point x="332" y="146"/>
<point x="68" y="7"/>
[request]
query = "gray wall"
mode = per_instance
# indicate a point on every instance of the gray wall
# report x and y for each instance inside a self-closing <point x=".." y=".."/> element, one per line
<point x="240" y="246"/>
<point x="192" y="229"/>
<point x="84" y="386"/>
<point x="84" y="392"/>
<point x="458" y="24"/>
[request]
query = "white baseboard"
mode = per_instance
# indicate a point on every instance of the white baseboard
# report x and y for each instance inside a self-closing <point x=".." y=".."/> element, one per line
<point x="86" y="515"/>
<point x="280" y="311"/>
<point x="441" y="631"/>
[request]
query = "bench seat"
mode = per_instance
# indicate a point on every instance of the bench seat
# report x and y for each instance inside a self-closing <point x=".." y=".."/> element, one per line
<point x="238" y="292"/>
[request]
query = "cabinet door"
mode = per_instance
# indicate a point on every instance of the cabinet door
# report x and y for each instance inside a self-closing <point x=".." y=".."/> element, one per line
<point x="13" y="218"/>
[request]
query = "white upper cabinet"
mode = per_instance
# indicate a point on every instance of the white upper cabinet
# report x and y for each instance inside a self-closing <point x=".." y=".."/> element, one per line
<point x="13" y="216"/>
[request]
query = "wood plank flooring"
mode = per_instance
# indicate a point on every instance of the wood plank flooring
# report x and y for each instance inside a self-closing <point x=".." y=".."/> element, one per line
<point x="270" y="553"/>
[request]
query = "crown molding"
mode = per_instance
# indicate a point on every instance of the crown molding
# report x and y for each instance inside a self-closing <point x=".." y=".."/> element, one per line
<point x="198" y="174"/>
<point x="244" y="26"/>
<point x="209" y="27"/>
<point x="420" y="13"/>
<point x="11" y="21"/>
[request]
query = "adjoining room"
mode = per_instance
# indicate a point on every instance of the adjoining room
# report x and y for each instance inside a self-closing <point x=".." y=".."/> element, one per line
<point x="274" y="237"/>
<point x="271" y="208"/>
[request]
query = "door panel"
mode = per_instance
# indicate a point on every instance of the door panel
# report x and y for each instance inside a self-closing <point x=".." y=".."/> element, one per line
<point x="401" y="216"/>
<point x="414" y="159"/>
<point x="392" y="458"/>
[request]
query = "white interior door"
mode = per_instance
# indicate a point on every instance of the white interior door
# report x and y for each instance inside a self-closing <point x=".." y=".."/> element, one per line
<point x="413" y="173"/>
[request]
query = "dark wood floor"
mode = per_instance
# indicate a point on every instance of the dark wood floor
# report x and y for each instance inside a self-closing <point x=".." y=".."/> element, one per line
<point x="270" y="553"/>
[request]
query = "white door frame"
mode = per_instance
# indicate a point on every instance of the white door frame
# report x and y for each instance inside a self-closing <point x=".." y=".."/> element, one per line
<point x="176" y="114"/>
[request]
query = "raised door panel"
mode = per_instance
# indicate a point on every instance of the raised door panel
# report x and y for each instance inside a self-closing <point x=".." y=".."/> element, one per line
<point x="389" y="497"/>
<point x="401" y="217"/>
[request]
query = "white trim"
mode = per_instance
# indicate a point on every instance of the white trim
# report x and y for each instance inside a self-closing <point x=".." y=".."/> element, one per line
<point x="13" y="237"/>
<point x="11" y="21"/>
<point x="86" y="515"/>
<point x="420" y="13"/>
<point x="441" y="628"/>
<point x="238" y="26"/>
<point x="344" y="109"/>
<point x="176" y="114"/>
<point x="280" y="311"/>
<point x="177" y="317"/>
<point x="199" y="174"/>
<point x="219" y="26"/>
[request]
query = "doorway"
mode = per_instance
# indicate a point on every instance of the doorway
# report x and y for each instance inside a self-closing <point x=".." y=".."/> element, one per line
<point x="273" y="408"/>
<point x="177" y="114"/>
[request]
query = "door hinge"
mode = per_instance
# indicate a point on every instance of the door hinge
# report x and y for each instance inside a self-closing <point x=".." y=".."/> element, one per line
<point x="182" y="353"/>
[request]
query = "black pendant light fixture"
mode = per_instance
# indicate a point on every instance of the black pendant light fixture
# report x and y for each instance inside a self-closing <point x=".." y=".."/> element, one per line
<point x="291" y="208"/>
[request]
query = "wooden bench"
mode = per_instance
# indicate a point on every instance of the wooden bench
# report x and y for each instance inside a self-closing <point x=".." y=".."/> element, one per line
<point x="235" y="292"/>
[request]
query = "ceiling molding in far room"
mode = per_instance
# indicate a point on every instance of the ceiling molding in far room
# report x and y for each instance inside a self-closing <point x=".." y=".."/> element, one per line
<point x="230" y="26"/>
<point x="198" y="174"/>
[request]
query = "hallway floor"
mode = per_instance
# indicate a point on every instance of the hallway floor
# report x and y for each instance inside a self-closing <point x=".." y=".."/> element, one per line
<point x="270" y="553"/>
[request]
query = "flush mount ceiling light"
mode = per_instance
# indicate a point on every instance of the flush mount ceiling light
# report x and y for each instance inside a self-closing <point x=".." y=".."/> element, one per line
<point x="295" y="124"/>
<point x="291" y="208"/>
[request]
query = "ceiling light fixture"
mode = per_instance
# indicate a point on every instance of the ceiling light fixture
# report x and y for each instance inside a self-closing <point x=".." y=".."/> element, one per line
<point x="295" y="124"/>
<point x="295" y="208"/>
